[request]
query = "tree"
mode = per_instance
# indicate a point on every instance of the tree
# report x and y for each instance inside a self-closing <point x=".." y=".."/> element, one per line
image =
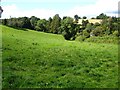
<point x="105" y="26"/>
<point x="86" y="34"/>
<point x="89" y="27"/>
<point x="68" y="28"/>
<point x="84" y="17"/>
<point x="98" y="31"/>
<point x="50" y="19"/>
<point x="1" y="10"/>
<point x="112" y="24"/>
<point x="84" y="23"/>
<point x="79" y="17"/>
<point x="116" y="33"/>
<point x="4" y="21"/>
<point x="20" y="22"/>
<point x="64" y="17"/>
<point x="48" y="24"/>
<point x="55" y="24"/>
<point x="92" y="18"/>
<point x="12" y="22"/>
<point x="102" y="16"/>
<point x="76" y="17"/>
<point x="33" y="21"/>
<point x="41" y="25"/>
<point x="26" y="22"/>
<point x="23" y="22"/>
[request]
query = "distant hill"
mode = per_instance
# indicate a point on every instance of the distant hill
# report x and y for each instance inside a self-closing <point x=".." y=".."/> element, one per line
<point x="90" y="21"/>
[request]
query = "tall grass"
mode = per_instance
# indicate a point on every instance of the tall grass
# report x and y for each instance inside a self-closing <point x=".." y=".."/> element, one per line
<point x="104" y="39"/>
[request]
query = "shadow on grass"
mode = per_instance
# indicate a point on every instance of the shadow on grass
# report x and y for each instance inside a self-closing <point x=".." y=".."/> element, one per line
<point x="23" y="29"/>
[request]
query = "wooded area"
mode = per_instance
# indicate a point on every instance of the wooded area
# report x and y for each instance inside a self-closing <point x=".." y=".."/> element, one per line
<point x="69" y="27"/>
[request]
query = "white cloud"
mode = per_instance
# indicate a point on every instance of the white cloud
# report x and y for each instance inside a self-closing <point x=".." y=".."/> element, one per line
<point x="41" y="13"/>
<point x="46" y="1"/>
<point x="9" y="10"/>
<point x="101" y="6"/>
<point x="91" y="10"/>
<point x="14" y="11"/>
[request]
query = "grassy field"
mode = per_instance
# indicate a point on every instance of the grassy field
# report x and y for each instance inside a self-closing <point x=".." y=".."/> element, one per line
<point x="90" y="21"/>
<point x="40" y="60"/>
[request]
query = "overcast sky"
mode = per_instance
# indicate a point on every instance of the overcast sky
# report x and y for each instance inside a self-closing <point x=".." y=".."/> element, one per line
<point x="48" y="8"/>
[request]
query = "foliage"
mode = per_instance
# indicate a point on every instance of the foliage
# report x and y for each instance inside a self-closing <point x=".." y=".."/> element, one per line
<point x="68" y="28"/>
<point x="102" y="16"/>
<point x="116" y="33"/>
<point x="25" y="23"/>
<point x="76" y="17"/>
<point x="89" y="27"/>
<point x="55" y="24"/>
<point x="84" y="23"/>
<point x="80" y="38"/>
<point x="84" y="17"/>
<point x="33" y="21"/>
<point x="41" y="25"/>
<point x="98" y="31"/>
<point x="86" y="34"/>
<point x="4" y="21"/>
<point x="103" y="39"/>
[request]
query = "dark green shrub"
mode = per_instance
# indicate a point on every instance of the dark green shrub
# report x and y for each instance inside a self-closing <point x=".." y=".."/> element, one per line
<point x="80" y="38"/>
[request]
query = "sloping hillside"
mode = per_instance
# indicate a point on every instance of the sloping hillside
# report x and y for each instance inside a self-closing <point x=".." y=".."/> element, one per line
<point x="40" y="60"/>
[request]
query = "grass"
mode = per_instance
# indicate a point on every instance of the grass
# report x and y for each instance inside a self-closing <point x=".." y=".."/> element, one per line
<point x="104" y="39"/>
<point x="40" y="60"/>
<point x="90" y="21"/>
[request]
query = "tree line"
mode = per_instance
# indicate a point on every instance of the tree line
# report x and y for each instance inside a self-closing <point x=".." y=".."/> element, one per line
<point x="68" y="26"/>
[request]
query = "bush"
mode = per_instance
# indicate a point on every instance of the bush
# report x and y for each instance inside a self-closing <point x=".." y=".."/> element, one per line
<point x="98" y="31"/>
<point x="115" y="33"/>
<point x="80" y="38"/>
<point x="66" y="35"/>
<point x="105" y="39"/>
<point x="86" y="34"/>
